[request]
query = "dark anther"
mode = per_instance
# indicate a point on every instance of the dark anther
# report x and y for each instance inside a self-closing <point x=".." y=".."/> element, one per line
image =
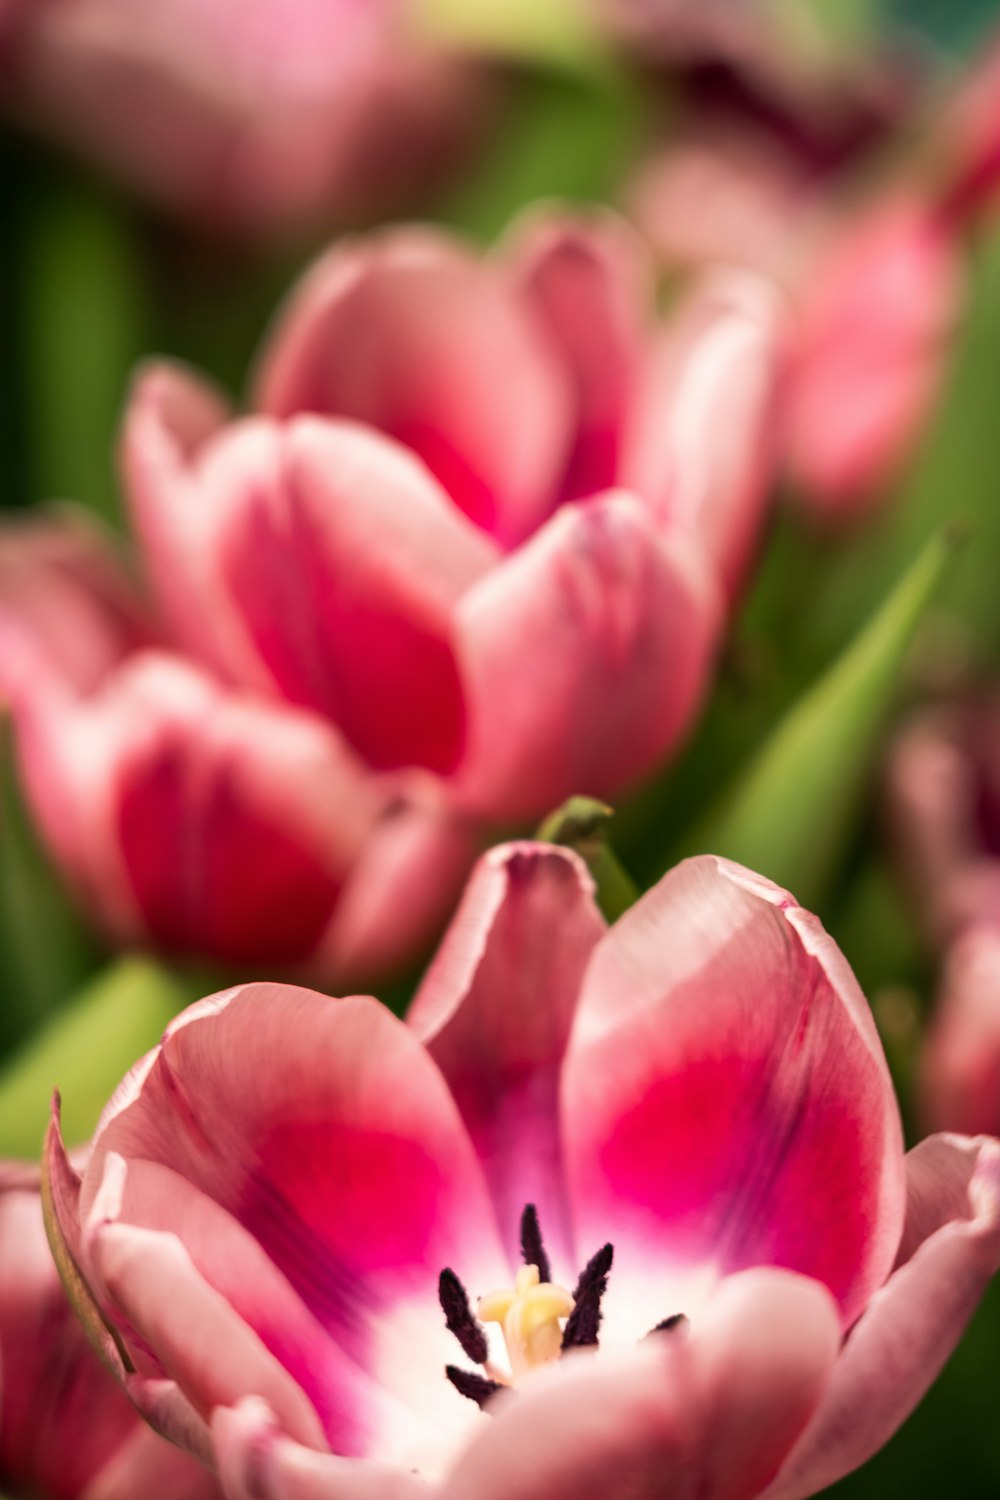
<point x="532" y="1248"/>
<point x="476" y="1387"/>
<point x="459" y="1319"/>
<point x="585" y="1319"/>
<point x="677" y="1320"/>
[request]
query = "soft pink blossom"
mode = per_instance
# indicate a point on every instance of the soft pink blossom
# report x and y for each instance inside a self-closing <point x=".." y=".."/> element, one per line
<point x="66" y="1430"/>
<point x="201" y="820"/>
<point x="877" y="311"/>
<point x="253" y="116"/>
<point x="943" y="786"/>
<point x="695" y="1099"/>
<point x="481" y="521"/>
<point x="959" y="1079"/>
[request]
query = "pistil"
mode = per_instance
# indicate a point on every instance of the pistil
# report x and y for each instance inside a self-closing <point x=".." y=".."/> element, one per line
<point x="530" y="1314"/>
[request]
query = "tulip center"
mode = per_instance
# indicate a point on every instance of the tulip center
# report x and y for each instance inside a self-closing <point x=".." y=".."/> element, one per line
<point x="531" y="1314"/>
<point x="538" y="1317"/>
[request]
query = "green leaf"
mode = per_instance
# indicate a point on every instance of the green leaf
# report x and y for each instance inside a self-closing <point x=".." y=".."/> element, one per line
<point x="83" y="317"/>
<point x="47" y="950"/>
<point x="582" y="824"/>
<point x="564" y="137"/>
<point x="85" y="1050"/>
<point x="792" y="812"/>
<point x="555" y="31"/>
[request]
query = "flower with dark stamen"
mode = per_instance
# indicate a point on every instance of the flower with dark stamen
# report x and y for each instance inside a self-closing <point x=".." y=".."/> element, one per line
<point x="269" y="1200"/>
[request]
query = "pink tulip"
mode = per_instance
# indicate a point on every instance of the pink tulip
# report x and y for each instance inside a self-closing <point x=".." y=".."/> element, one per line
<point x="203" y="821"/>
<point x="252" y="115"/>
<point x="944" y="813"/>
<point x="877" y="313"/>
<point x="687" y="1123"/>
<point x="435" y="533"/>
<point x="959" y="1085"/>
<point x="66" y="1431"/>
<point x="67" y="606"/>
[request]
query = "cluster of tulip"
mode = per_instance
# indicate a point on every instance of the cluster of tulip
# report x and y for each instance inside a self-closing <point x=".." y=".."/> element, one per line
<point x="614" y="1200"/>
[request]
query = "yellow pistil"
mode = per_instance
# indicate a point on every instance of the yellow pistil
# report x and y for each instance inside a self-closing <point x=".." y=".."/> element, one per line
<point x="529" y="1314"/>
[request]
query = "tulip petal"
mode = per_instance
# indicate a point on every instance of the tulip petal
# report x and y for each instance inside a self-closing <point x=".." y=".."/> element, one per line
<point x="402" y="888"/>
<point x="149" y="1196"/>
<point x="257" y="1462"/>
<point x="205" y="819"/>
<point x="495" y="1011"/>
<point x="714" y="368"/>
<point x="346" y="561"/>
<point x="709" y="1413"/>
<point x="147" y="1465"/>
<point x="949" y="1252"/>
<point x="726" y="1100"/>
<point x="415" y="336"/>
<point x="200" y="1341"/>
<point x="67" y="604"/>
<point x="589" y="283"/>
<point x="171" y="417"/>
<point x="323" y="1129"/>
<point x="585" y="656"/>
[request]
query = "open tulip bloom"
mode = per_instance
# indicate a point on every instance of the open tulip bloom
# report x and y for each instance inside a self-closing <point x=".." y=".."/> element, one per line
<point x="615" y="1212"/>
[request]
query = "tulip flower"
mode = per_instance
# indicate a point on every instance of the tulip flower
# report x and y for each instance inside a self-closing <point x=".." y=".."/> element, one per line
<point x="252" y="116"/>
<point x="959" y="1082"/>
<point x="616" y="1211"/>
<point x="200" y="820"/>
<point x="66" y="1430"/>
<point x="944" y="815"/>
<point x="877" y="315"/>
<point x="481" y="521"/>
<point x="67" y="605"/>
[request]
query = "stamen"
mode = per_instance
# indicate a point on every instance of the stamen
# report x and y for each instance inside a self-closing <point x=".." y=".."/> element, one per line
<point x="459" y="1320"/>
<point x="676" y="1320"/>
<point x="476" y="1387"/>
<point x="532" y="1249"/>
<point x="585" y="1319"/>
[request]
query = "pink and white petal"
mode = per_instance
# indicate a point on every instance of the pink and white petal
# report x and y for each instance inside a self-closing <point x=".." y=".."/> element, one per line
<point x="201" y="818"/>
<point x="413" y="335"/>
<point x="709" y="1412"/>
<point x="324" y="1129"/>
<point x="495" y="1012"/>
<point x="355" y="1413"/>
<point x="726" y="1102"/>
<point x="950" y="1251"/>
<point x="401" y="890"/>
<point x="589" y="282"/>
<point x="146" y="1464"/>
<point x="201" y="1342"/>
<point x="172" y="418"/>
<point x="715" y="367"/>
<point x="346" y="567"/>
<point x="585" y="657"/>
<point x="256" y="1461"/>
<point x="69" y="609"/>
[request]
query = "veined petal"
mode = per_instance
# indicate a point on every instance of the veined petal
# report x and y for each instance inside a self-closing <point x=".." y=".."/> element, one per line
<point x="325" y="1131"/>
<point x="710" y="1412"/>
<point x="585" y="655"/>
<point x="726" y="1101"/>
<point x="495" y="1011"/>
<point x="949" y="1252"/>
<point x="415" y="336"/>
